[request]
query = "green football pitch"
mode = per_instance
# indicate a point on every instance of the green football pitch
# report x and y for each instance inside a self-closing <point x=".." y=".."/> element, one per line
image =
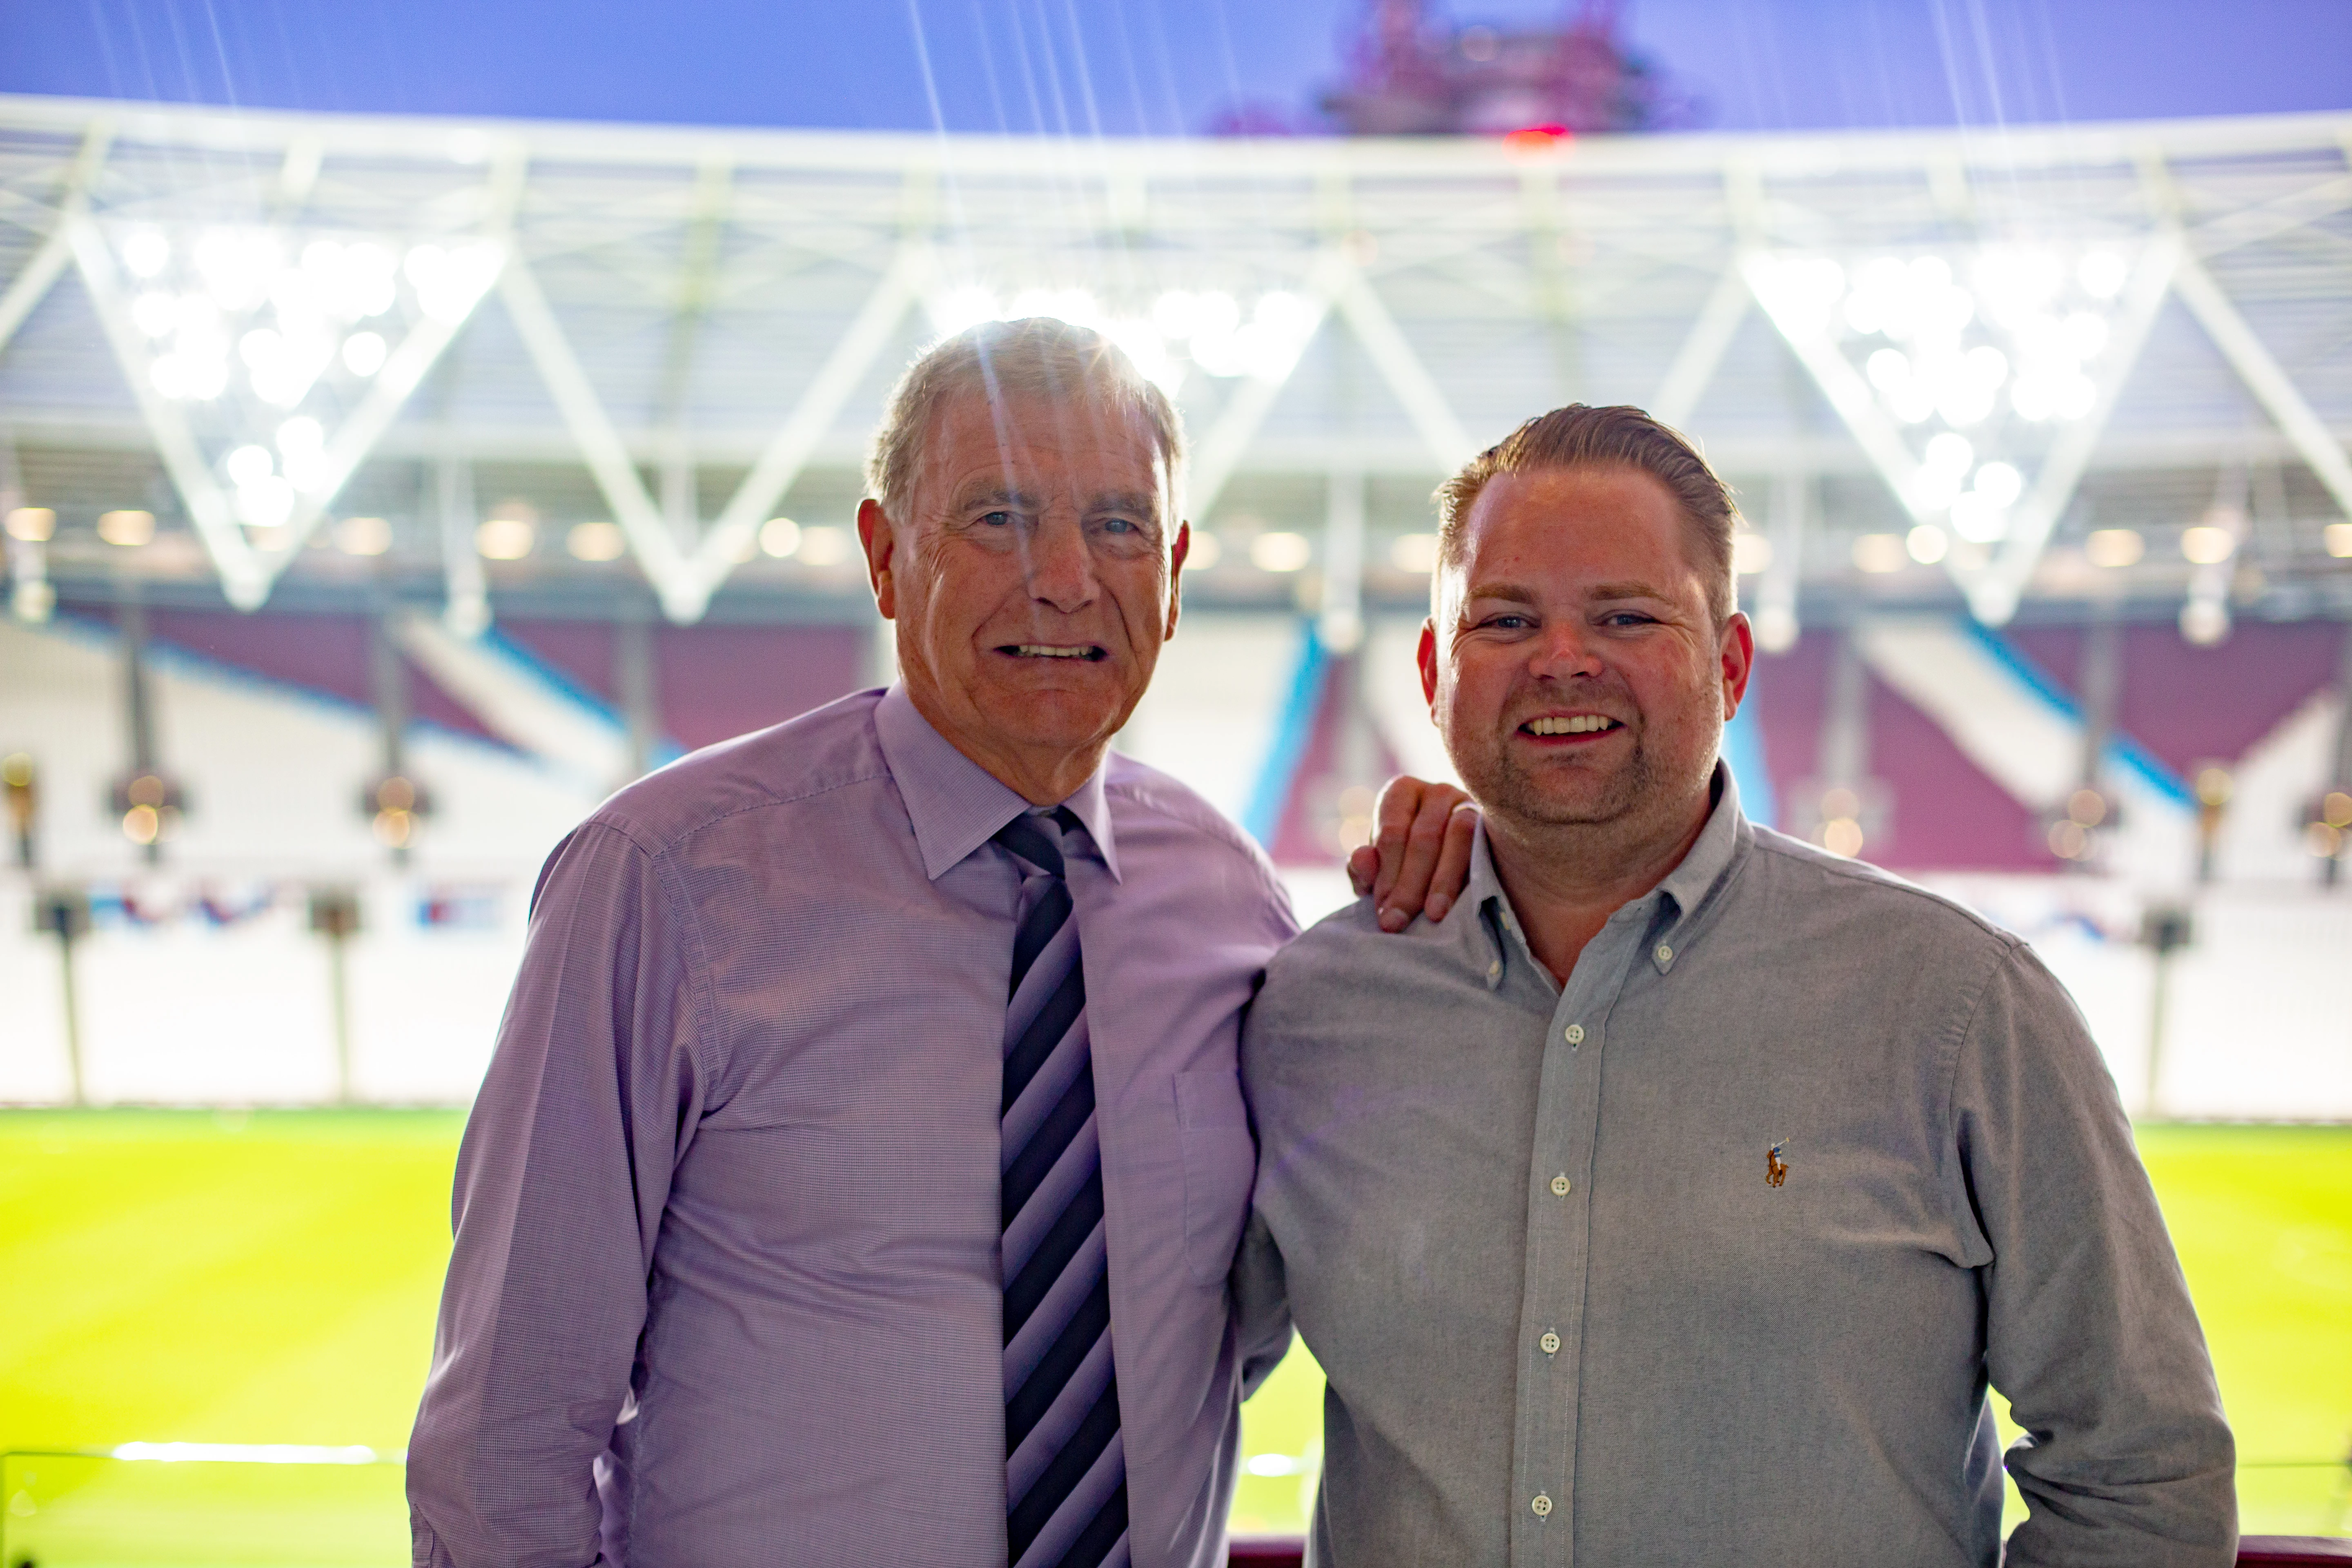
<point x="189" y="1276"/>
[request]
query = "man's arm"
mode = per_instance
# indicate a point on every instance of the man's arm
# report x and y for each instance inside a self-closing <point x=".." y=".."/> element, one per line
<point x="560" y="1184"/>
<point x="2090" y="1333"/>
<point x="1419" y="860"/>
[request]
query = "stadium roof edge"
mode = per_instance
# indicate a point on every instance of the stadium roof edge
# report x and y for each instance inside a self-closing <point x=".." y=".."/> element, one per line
<point x="1812" y="153"/>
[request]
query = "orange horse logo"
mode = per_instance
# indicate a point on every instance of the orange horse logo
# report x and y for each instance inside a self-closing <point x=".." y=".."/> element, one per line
<point x="1775" y="1171"/>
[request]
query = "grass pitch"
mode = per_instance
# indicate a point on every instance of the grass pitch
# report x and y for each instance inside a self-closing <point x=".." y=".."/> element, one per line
<point x="271" y="1279"/>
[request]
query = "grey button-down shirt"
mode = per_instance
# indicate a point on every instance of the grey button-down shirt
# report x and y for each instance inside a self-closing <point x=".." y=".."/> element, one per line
<point x="1706" y="1257"/>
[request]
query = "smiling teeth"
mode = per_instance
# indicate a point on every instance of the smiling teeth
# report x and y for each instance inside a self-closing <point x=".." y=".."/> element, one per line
<point x="1582" y="724"/>
<point x="1044" y="650"/>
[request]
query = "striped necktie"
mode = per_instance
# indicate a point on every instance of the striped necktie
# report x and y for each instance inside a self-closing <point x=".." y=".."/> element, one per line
<point x="1065" y="1469"/>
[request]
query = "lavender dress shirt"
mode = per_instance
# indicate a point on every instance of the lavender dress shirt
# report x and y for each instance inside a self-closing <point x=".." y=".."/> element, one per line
<point x="725" y="1284"/>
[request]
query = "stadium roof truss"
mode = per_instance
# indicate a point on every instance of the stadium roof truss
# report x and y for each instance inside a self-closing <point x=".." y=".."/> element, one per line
<point x="1940" y="336"/>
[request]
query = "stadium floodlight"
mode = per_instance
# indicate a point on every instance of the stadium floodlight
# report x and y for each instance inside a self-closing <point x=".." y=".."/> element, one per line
<point x="1224" y="343"/>
<point x="268" y="358"/>
<point x="1182" y="328"/>
<point x="287" y="314"/>
<point x="1960" y="372"/>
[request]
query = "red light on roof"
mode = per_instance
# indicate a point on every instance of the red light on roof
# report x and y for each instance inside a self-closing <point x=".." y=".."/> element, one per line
<point x="1535" y="138"/>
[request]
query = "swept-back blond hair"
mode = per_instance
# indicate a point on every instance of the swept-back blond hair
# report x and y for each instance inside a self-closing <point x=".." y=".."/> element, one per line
<point x="1618" y="437"/>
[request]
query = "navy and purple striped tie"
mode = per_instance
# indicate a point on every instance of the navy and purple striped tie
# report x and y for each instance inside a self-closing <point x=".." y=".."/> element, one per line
<point x="1065" y="1468"/>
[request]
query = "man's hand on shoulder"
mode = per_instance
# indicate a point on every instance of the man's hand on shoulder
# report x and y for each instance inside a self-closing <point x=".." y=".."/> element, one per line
<point x="1419" y="857"/>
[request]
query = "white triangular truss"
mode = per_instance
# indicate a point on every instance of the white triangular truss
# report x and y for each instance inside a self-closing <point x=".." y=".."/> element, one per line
<point x="252" y="320"/>
<point x="1976" y="379"/>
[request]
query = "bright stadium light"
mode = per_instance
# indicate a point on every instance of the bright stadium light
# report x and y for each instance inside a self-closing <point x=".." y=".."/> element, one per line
<point x="1960" y="372"/>
<point x="363" y="535"/>
<point x="301" y="448"/>
<point x="364" y="353"/>
<point x="275" y="357"/>
<point x="248" y="466"/>
<point x="2113" y="547"/>
<point x="824" y="546"/>
<point x="780" y="537"/>
<point x="146" y="252"/>
<point x="1280" y="552"/>
<point x="1415" y="553"/>
<point x="245" y="310"/>
<point x="449" y="282"/>
<point x="128" y="528"/>
<point x="32" y="524"/>
<point x="1180" y="328"/>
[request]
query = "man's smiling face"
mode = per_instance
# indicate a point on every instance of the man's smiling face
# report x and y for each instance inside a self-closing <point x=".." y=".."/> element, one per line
<point x="1573" y="666"/>
<point x="1032" y="579"/>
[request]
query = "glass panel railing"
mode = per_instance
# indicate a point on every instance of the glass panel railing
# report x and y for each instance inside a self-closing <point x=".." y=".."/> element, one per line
<point x="2295" y="1497"/>
<point x="202" y="1505"/>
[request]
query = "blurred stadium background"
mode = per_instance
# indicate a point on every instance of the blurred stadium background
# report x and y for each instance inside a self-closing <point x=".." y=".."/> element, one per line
<point x="379" y="493"/>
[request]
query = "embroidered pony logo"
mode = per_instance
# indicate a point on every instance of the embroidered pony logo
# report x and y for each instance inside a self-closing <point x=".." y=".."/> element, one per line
<point x="1776" y="1171"/>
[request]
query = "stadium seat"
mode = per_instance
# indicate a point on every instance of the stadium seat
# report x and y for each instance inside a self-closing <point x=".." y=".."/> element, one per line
<point x="2290" y="1549"/>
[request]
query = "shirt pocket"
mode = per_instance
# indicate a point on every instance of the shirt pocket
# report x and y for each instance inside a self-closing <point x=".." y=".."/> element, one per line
<point x="1219" y="1166"/>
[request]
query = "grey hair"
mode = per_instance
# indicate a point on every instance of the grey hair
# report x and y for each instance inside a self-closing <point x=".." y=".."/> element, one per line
<point x="1039" y="357"/>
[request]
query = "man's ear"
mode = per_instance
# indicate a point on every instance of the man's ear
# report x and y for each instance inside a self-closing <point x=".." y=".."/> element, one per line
<point x="1739" y="657"/>
<point x="879" y="539"/>
<point x="1426" y="655"/>
<point x="1176" y="577"/>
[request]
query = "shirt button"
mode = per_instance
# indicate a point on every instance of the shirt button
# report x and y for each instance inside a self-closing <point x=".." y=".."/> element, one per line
<point x="1559" y="1185"/>
<point x="1551" y="1342"/>
<point x="1494" y="969"/>
<point x="1542" y="1505"/>
<point x="1574" y="1034"/>
<point x="1665" y="954"/>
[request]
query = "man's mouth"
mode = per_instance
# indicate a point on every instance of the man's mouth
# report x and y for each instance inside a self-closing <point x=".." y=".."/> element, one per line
<point x="1570" y="724"/>
<point x="1089" y="652"/>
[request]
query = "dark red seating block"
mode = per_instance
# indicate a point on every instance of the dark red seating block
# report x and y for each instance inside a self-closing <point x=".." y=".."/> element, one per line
<point x="2270" y="1551"/>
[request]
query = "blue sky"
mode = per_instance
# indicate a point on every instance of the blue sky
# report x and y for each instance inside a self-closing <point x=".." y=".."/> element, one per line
<point x="1124" y="66"/>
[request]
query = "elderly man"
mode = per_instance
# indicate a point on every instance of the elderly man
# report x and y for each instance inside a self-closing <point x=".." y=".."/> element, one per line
<point x="1675" y="1199"/>
<point x="861" y="1165"/>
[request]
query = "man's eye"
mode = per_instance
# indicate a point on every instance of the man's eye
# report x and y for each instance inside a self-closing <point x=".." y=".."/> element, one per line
<point x="1509" y="623"/>
<point x="997" y="519"/>
<point x="1628" y="618"/>
<point x="1118" y="525"/>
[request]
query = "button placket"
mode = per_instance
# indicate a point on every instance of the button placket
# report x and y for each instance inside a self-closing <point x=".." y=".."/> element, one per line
<point x="1567" y="1108"/>
<point x="1555" y="1245"/>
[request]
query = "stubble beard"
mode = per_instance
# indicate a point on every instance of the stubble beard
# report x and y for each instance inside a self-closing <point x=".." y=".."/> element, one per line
<point x="1510" y="790"/>
<point x="1644" y="799"/>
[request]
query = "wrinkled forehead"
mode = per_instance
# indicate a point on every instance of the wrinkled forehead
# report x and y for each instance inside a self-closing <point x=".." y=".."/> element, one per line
<point x="1079" y="448"/>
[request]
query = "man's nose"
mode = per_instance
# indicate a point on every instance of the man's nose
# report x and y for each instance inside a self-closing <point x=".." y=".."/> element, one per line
<point x="1563" y="650"/>
<point x="1060" y="567"/>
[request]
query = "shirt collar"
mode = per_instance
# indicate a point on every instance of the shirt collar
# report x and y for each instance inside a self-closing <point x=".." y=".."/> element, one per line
<point x="1682" y="892"/>
<point x="955" y="804"/>
<point x="1689" y="883"/>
